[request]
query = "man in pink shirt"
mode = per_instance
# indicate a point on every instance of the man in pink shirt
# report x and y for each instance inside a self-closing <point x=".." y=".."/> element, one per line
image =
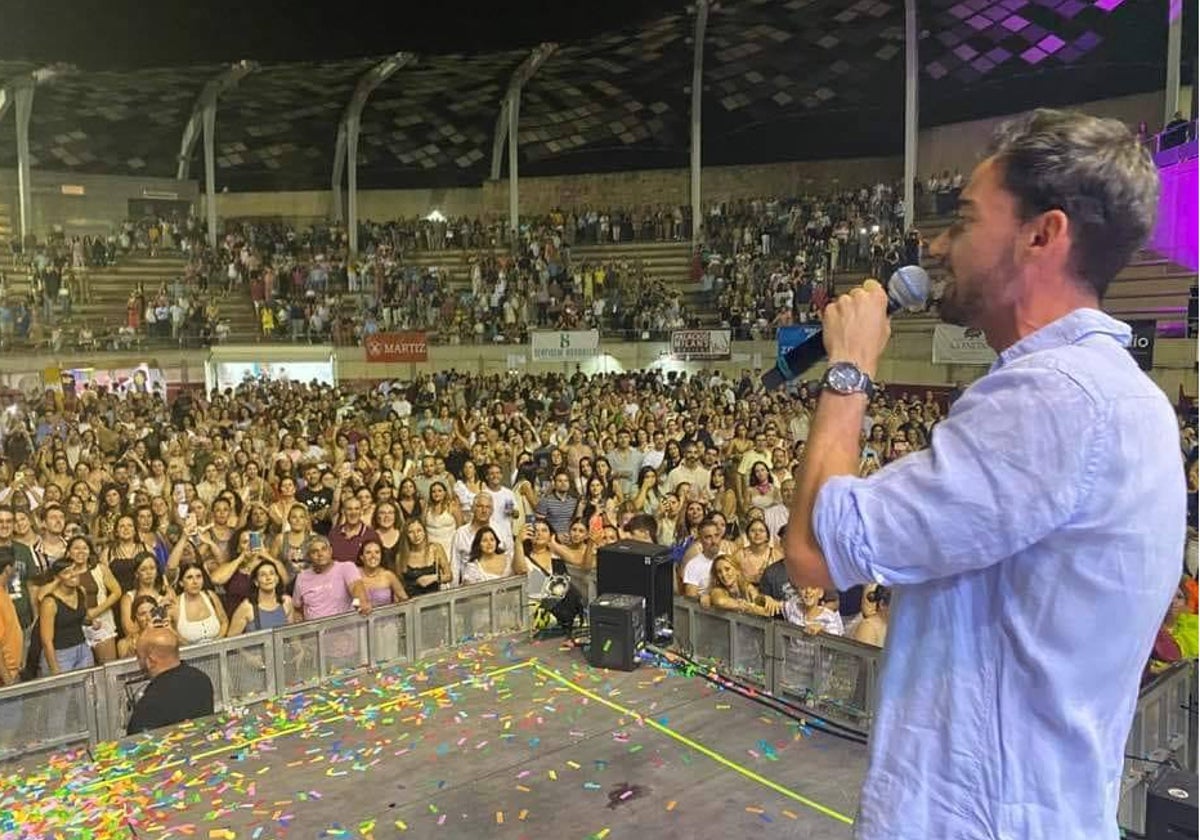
<point x="327" y="588"/>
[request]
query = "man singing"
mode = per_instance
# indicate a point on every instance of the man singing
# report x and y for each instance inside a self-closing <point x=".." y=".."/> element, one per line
<point x="1034" y="547"/>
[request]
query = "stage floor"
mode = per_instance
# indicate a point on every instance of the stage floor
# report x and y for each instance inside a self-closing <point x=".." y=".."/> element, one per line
<point x="508" y="738"/>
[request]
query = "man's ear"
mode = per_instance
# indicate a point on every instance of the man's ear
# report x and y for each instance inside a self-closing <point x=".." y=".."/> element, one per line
<point x="1049" y="231"/>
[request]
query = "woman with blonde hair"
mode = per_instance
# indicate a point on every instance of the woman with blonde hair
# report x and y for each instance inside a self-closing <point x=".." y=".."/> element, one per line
<point x="423" y="565"/>
<point x="730" y="590"/>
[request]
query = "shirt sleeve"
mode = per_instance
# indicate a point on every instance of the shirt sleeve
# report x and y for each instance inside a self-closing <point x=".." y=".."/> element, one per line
<point x="1008" y="466"/>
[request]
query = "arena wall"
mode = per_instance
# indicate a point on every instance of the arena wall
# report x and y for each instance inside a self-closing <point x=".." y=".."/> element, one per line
<point x="906" y="362"/>
<point x="86" y="204"/>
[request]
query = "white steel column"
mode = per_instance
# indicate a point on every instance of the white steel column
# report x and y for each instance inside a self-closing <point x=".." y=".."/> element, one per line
<point x="912" y="70"/>
<point x="697" y="100"/>
<point x="210" y="93"/>
<point x="1174" y="58"/>
<point x="514" y="204"/>
<point x="507" y="124"/>
<point x="345" y="153"/>
<point x="23" y="96"/>
<point x="209" y="119"/>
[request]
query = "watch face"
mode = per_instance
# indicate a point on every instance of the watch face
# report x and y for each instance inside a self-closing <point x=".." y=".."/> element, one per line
<point x="843" y="378"/>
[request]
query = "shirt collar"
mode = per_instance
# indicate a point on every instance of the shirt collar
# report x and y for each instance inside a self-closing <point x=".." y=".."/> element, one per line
<point x="1069" y="329"/>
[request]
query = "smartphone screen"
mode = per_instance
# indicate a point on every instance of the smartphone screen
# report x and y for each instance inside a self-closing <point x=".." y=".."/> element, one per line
<point x="182" y="510"/>
<point x="256" y="541"/>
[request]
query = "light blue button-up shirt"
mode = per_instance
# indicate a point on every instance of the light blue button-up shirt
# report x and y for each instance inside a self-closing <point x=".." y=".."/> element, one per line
<point x="1034" y="549"/>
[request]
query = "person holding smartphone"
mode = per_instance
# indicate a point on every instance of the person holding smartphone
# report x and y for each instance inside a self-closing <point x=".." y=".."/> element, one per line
<point x="237" y="574"/>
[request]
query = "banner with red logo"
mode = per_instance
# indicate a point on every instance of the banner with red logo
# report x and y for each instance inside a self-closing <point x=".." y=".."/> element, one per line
<point x="397" y="347"/>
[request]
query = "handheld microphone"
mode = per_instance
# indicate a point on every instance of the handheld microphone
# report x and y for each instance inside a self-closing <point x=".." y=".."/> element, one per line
<point x="908" y="288"/>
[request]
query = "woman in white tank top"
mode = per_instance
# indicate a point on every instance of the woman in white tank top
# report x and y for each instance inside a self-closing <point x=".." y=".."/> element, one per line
<point x="201" y="616"/>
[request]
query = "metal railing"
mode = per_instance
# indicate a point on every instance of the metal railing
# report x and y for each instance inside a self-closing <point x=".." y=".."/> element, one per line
<point x="833" y="675"/>
<point x="1163" y="731"/>
<point x="837" y="678"/>
<point x="87" y="707"/>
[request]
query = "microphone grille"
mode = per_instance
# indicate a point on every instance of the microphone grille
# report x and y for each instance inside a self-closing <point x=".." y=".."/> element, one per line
<point x="909" y="287"/>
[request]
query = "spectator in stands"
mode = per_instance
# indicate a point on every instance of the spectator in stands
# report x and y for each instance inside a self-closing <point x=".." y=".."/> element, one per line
<point x="266" y="606"/>
<point x="489" y="559"/>
<point x="697" y="573"/>
<point x="807" y="610"/>
<point x="728" y="589"/>
<point x="327" y="587"/>
<point x="62" y="615"/>
<point x="200" y="616"/>
<point x="12" y="634"/>
<point x="177" y="691"/>
<point x="382" y="585"/>
<point x="871" y="628"/>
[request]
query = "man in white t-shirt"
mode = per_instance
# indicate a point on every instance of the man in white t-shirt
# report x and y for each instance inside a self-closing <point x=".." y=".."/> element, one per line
<point x="698" y="571"/>
<point x="504" y="506"/>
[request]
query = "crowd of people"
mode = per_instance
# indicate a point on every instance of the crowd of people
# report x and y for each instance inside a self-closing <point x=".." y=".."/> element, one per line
<point x="771" y="263"/>
<point x="276" y="502"/>
<point x="763" y="263"/>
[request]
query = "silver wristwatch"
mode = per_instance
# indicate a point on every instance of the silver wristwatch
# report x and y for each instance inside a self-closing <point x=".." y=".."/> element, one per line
<point x="847" y="378"/>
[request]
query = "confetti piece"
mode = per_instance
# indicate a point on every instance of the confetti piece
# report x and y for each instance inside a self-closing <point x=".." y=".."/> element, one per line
<point x="789" y="814"/>
<point x="671" y="805"/>
<point x="402" y="825"/>
<point x="751" y="809"/>
<point x="499" y="818"/>
<point x="522" y="815"/>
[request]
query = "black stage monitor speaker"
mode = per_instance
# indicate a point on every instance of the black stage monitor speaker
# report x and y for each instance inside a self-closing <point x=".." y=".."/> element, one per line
<point x="631" y="567"/>
<point x="1171" y="812"/>
<point x="618" y="631"/>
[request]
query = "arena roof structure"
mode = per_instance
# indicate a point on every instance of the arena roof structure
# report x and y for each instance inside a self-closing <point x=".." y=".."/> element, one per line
<point x="790" y="80"/>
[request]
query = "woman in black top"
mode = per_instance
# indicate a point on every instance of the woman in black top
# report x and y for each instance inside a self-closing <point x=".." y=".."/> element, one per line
<point x="61" y="616"/>
<point x="423" y="565"/>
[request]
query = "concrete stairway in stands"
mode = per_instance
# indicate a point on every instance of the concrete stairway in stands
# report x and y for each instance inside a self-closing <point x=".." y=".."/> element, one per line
<point x="110" y="288"/>
<point x="667" y="261"/>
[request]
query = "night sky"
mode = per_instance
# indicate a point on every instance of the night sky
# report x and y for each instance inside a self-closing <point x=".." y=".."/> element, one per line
<point x="123" y="35"/>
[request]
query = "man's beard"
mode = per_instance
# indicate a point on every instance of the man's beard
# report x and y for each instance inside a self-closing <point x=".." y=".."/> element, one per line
<point x="962" y="304"/>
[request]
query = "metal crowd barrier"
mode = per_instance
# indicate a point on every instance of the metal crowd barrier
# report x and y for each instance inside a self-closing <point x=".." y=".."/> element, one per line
<point x="86" y="707"/>
<point x="837" y="678"/>
<point x="1163" y="731"/>
<point x="833" y="675"/>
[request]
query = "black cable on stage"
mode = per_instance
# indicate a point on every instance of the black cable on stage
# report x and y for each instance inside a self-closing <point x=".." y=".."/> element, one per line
<point x="781" y="705"/>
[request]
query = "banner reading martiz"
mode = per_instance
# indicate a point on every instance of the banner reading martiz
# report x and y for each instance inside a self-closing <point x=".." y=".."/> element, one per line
<point x="397" y="347"/>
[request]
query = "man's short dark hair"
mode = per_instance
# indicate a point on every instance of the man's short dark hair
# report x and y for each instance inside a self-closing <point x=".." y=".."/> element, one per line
<point x="1093" y="170"/>
<point x="643" y="522"/>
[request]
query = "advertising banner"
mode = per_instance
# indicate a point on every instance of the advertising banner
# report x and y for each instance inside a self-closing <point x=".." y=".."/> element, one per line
<point x="701" y="344"/>
<point x="397" y="347"/>
<point x="1141" y="346"/>
<point x="564" y="345"/>
<point x="960" y="346"/>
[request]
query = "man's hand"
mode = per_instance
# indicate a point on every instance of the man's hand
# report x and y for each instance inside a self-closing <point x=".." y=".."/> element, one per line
<point x="855" y="327"/>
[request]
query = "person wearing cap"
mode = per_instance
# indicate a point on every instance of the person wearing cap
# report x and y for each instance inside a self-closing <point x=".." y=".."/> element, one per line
<point x="177" y="691"/>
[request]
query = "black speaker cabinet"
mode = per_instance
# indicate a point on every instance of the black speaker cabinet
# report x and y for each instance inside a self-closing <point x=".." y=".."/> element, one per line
<point x="1171" y="807"/>
<point x="618" y="631"/>
<point x="631" y="567"/>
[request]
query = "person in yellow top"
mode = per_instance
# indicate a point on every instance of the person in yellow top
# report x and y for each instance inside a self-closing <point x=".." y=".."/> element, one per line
<point x="1186" y="627"/>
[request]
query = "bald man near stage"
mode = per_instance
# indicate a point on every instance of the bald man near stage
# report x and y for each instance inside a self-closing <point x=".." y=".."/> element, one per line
<point x="177" y="691"/>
